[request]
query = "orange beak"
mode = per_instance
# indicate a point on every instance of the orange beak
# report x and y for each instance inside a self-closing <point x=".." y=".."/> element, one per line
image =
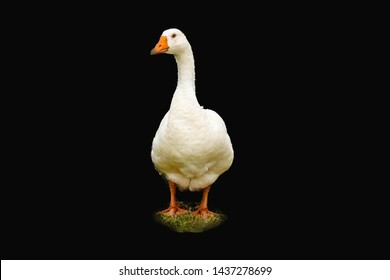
<point x="161" y="46"/>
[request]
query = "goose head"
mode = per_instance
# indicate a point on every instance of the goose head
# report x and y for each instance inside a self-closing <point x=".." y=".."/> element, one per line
<point x="172" y="41"/>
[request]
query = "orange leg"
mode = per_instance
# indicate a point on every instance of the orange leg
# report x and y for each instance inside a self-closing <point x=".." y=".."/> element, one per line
<point x="173" y="208"/>
<point x="202" y="209"/>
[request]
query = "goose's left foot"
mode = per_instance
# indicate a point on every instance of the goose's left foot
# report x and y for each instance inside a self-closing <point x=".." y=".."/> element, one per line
<point x="204" y="213"/>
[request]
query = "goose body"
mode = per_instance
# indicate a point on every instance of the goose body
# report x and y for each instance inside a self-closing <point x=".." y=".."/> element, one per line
<point x="191" y="147"/>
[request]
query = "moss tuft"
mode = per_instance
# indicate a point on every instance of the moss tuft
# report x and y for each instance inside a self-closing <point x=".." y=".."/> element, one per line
<point x="188" y="222"/>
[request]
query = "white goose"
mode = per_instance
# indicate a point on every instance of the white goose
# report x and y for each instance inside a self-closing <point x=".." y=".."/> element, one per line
<point x="191" y="148"/>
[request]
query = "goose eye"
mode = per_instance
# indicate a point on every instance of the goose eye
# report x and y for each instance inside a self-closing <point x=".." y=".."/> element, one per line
<point x="173" y="35"/>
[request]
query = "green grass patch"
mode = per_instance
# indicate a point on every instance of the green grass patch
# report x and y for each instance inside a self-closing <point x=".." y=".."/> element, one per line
<point x="188" y="222"/>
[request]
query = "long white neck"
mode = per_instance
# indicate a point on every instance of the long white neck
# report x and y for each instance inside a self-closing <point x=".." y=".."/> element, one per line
<point x="185" y="69"/>
<point x="184" y="99"/>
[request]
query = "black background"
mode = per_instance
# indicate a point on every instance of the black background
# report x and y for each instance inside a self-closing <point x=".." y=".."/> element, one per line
<point x="91" y="98"/>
